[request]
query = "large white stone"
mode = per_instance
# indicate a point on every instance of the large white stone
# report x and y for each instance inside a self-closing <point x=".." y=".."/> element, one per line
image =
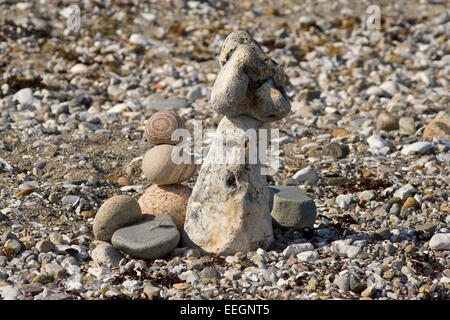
<point x="229" y="207"/>
<point x="9" y="293"/>
<point x="228" y="210"/>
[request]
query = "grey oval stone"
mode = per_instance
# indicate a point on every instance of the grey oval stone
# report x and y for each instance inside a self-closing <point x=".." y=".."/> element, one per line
<point x="152" y="238"/>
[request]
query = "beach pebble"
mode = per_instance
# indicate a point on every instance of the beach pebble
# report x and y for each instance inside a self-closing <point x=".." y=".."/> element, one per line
<point x="166" y="199"/>
<point x="440" y="241"/>
<point x="378" y="145"/>
<point x="387" y="122"/>
<point x="421" y="147"/>
<point x="307" y="174"/>
<point x="343" y="248"/>
<point x="367" y="195"/>
<point x="404" y="192"/>
<point x="295" y="249"/>
<point x="55" y="270"/>
<point x="12" y="246"/>
<point x="194" y="93"/>
<point x="105" y="254"/>
<point x="151" y="238"/>
<point x="159" y="168"/>
<point x="308" y="256"/>
<point x="10" y="292"/>
<point x="25" y="96"/>
<point x="407" y="125"/>
<point x="116" y="212"/>
<point x="151" y="291"/>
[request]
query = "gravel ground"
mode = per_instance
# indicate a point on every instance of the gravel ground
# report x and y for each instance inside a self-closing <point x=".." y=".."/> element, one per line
<point x="73" y="104"/>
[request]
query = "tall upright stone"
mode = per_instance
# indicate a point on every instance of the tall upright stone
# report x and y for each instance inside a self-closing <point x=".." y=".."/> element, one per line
<point x="228" y="210"/>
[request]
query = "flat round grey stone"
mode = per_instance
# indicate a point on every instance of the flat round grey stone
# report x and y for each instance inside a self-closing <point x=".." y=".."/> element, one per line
<point x="291" y="208"/>
<point x="152" y="238"/>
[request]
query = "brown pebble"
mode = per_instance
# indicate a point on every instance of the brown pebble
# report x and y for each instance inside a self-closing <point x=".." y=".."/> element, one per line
<point x="411" y="203"/>
<point x="181" y="286"/>
<point x="387" y="122"/>
<point x="25" y="192"/>
<point x="124" y="181"/>
<point x="339" y="133"/>
<point x="88" y="214"/>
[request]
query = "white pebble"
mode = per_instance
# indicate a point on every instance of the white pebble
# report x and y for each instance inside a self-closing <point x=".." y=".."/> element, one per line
<point x="440" y="241"/>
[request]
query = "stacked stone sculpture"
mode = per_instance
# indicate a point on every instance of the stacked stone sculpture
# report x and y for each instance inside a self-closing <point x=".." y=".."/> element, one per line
<point x="228" y="210"/>
<point x="167" y="195"/>
<point x="157" y="164"/>
<point x="148" y="228"/>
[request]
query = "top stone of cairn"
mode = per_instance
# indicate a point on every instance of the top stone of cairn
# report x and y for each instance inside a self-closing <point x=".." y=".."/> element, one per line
<point x="249" y="81"/>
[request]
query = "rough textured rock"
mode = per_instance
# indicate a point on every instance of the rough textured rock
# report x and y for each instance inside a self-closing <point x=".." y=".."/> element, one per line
<point x="168" y="199"/>
<point x="228" y="210"/>
<point x="44" y="246"/>
<point x="248" y="77"/>
<point x="115" y="213"/>
<point x="160" y="126"/>
<point x="291" y="208"/>
<point x="159" y="168"/>
<point x="407" y="125"/>
<point x="55" y="270"/>
<point x="106" y="255"/>
<point x="229" y="207"/>
<point x="440" y="241"/>
<point x="152" y="238"/>
<point x="437" y="129"/>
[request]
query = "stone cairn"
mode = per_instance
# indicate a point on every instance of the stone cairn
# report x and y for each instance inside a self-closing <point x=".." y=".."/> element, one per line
<point x="231" y="209"/>
<point x="149" y="228"/>
<point x="228" y="210"/>
<point x="167" y="195"/>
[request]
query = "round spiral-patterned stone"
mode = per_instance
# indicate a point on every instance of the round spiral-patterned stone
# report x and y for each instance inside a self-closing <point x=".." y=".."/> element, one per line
<point x="161" y="125"/>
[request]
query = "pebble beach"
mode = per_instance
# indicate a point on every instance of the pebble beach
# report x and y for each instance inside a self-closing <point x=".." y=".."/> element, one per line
<point x="367" y="141"/>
